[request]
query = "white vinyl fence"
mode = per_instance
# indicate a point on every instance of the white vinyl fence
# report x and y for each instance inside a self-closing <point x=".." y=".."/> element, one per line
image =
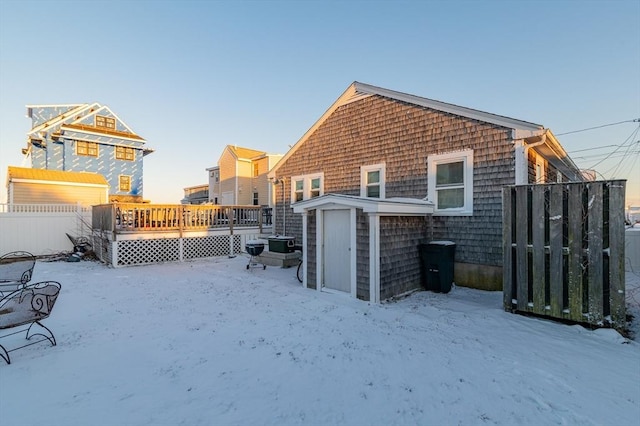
<point x="41" y="228"/>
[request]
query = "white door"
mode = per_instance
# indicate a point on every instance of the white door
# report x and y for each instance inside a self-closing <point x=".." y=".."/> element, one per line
<point x="336" y="250"/>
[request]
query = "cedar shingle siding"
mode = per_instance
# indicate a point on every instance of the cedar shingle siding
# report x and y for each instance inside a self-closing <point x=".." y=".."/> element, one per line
<point x="381" y="130"/>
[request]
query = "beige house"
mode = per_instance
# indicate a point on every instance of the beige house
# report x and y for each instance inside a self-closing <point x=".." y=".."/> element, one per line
<point x="240" y="178"/>
<point x="41" y="186"/>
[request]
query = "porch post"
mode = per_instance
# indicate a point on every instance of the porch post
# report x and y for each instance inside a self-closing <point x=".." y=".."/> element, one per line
<point x="319" y="260"/>
<point x="305" y="220"/>
<point x="374" y="258"/>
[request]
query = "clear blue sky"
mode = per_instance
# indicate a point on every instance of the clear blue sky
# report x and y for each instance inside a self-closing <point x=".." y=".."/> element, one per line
<point x="193" y="76"/>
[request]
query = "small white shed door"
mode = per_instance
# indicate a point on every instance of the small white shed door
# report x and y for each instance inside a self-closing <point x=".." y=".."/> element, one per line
<point x="336" y="251"/>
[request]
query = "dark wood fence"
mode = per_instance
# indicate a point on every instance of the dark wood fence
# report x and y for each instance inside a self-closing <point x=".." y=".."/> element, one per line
<point x="564" y="251"/>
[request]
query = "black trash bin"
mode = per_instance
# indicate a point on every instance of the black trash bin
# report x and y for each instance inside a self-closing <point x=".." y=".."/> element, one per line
<point x="436" y="265"/>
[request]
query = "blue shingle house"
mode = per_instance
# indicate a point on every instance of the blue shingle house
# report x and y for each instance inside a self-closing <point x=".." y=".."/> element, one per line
<point x="88" y="138"/>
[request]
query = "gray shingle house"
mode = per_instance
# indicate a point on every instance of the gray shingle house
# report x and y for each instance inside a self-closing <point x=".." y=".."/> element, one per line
<point x="382" y="171"/>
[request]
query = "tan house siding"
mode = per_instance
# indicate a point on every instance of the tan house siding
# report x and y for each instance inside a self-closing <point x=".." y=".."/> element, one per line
<point x="228" y="172"/>
<point x="244" y="172"/>
<point x="60" y="193"/>
<point x="261" y="182"/>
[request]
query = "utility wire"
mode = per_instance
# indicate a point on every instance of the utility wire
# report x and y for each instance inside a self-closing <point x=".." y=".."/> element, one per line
<point x="623" y="145"/>
<point x="637" y="120"/>
<point x="591" y="149"/>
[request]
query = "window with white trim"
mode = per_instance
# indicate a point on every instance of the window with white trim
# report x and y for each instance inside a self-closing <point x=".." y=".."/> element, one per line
<point x="307" y="186"/>
<point x="372" y="181"/>
<point x="450" y="183"/>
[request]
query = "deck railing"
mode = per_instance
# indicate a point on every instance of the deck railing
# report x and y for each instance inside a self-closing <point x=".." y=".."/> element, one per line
<point x="136" y="217"/>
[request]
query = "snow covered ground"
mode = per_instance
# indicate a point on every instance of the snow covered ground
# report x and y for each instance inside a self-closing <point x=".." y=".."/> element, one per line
<point x="210" y="343"/>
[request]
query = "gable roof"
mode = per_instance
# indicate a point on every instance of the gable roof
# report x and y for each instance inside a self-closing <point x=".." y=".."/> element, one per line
<point x="23" y="174"/>
<point x="73" y="116"/>
<point x="358" y="91"/>
<point x="245" y="153"/>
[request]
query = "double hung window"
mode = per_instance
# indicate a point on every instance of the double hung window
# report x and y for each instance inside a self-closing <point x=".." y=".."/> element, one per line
<point x="372" y="181"/>
<point x="88" y="149"/>
<point x="450" y="183"/>
<point x="124" y="153"/>
<point x="124" y="183"/>
<point x="307" y="186"/>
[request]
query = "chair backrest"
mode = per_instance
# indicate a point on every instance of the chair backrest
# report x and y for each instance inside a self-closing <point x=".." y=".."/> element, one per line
<point x="16" y="268"/>
<point x="32" y="303"/>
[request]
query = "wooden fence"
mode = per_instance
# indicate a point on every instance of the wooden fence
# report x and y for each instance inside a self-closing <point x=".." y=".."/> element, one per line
<point x="564" y="251"/>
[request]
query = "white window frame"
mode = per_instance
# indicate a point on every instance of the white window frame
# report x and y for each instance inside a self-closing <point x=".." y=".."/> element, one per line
<point x="306" y="185"/>
<point x="364" y="171"/>
<point x="451" y="157"/>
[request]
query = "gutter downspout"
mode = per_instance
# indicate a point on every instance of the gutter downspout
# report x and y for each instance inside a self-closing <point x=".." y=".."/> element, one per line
<point x="522" y="153"/>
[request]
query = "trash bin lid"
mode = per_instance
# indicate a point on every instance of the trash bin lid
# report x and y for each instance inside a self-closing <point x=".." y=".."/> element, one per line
<point x="443" y="243"/>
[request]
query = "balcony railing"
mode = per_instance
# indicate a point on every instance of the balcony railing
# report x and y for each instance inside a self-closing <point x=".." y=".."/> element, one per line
<point x="134" y="217"/>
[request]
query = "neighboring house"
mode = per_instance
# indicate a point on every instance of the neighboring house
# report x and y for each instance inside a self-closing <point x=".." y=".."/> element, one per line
<point x="88" y="138"/>
<point x="37" y="186"/>
<point x="382" y="171"/>
<point x="240" y="178"/>
<point x="198" y="194"/>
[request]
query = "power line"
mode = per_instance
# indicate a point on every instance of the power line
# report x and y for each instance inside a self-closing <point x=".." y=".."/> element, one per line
<point x="591" y="149"/>
<point x="637" y="120"/>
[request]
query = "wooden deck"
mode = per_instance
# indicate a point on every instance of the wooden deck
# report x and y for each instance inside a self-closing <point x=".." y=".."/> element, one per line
<point x="137" y="217"/>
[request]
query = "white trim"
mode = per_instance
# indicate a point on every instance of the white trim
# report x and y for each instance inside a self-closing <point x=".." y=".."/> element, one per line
<point x="466" y="157"/>
<point x="319" y="242"/>
<point x="60" y="182"/>
<point x="353" y="251"/>
<point x="387" y="206"/>
<point x="521" y="162"/>
<point x="475" y="114"/>
<point x="364" y="170"/>
<point x="100" y="135"/>
<point x="305" y="239"/>
<point x="374" y="258"/>
<point x="540" y="169"/>
<point x="306" y="185"/>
